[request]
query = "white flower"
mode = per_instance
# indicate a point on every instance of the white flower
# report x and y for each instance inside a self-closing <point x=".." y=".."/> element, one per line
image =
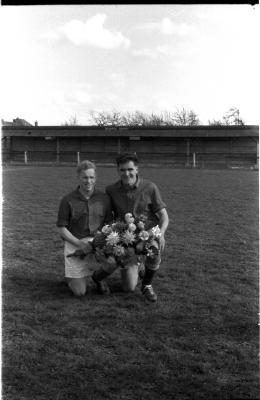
<point x="140" y="225"/>
<point x="144" y="235"/>
<point x="111" y="260"/>
<point x="149" y="253"/>
<point x="128" y="237"/>
<point x="140" y="247"/>
<point x="106" y="229"/>
<point x="113" y="238"/>
<point x="156" y="231"/>
<point x="118" y="250"/>
<point x="128" y="216"/>
<point x="132" y="227"/>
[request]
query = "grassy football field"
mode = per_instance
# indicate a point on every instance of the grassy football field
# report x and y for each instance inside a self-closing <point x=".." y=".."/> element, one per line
<point x="199" y="341"/>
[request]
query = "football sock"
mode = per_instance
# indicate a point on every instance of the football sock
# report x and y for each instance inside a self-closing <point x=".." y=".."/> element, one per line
<point x="148" y="277"/>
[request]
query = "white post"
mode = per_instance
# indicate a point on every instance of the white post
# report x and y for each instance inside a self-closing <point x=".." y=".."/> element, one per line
<point x="194" y="160"/>
<point x="188" y="153"/>
<point x="25" y="157"/>
<point x="257" y="155"/>
<point x="57" y="150"/>
<point x="78" y="157"/>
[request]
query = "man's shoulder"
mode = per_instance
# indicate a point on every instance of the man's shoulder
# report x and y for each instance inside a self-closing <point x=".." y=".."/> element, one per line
<point x="113" y="187"/>
<point x="146" y="183"/>
<point x="100" y="194"/>
<point x="70" y="195"/>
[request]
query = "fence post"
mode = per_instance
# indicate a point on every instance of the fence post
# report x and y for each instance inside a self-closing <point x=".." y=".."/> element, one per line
<point x="25" y="157"/>
<point x="194" y="160"/>
<point x="257" y="155"/>
<point x="78" y="157"/>
<point x="188" y="153"/>
<point x="57" y="150"/>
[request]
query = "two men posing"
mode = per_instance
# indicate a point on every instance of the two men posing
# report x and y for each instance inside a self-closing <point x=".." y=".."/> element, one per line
<point x="85" y="210"/>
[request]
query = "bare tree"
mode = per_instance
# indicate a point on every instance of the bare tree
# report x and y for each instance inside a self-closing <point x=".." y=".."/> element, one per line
<point x="232" y="117"/>
<point x="193" y="118"/>
<point x="105" y="118"/>
<point x="215" y="122"/>
<point x="183" y="117"/>
<point x="99" y="117"/>
<point x="73" y="121"/>
<point x="126" y="119"/>
<point x="115" y="117"/>
<point x="168" y="118"/>
<point x="139" y="118"/>
<point x="156" y="120"/>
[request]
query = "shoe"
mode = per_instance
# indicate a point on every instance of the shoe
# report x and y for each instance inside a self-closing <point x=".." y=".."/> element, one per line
<point x="102" y="287"/>
<point x="149" y="293"/>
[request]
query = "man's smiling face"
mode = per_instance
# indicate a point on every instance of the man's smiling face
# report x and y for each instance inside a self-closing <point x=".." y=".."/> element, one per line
<point x="128" y="173"/>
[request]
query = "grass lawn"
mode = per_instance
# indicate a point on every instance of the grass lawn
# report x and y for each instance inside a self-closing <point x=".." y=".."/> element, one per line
<point x="199" y="341"/>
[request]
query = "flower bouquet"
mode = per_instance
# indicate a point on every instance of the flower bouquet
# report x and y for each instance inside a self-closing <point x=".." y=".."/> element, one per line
<point x="122" y="242"/>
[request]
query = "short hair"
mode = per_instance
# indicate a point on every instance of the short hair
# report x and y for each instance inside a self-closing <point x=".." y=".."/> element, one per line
<point x="126" y="157"/>
<point x="86" y="164"/>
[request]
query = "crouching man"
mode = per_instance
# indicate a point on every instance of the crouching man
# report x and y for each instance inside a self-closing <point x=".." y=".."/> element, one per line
<point x="140" y="197"/>
<point x="81" y="214"/>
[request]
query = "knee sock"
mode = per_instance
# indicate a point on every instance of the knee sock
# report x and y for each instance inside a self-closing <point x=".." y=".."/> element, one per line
<point x="148" y="276"/>
<point x="100" y="274"/>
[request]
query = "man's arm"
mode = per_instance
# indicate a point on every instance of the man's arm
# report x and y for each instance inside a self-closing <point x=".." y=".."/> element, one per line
<point x="67" y="235"/>
<point x="109" y="213"/>
<point x="163" y="224"/>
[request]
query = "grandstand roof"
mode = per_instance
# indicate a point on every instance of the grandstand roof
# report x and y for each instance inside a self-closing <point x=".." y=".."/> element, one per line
<point x="126" y="131"/>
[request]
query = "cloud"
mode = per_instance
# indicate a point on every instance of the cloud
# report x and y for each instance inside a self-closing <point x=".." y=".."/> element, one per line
<point x="74" y="96"/>
<point x="167" y="27"/>
<point x="118" y="80"/>
<point x="150" y="53"/>
<point x="161" y="50"/>
<point x="92" y="32"/>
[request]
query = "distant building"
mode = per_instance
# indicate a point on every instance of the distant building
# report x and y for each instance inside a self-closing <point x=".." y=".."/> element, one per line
<point x="16" y="122"/>
<point x="194" y="146"/>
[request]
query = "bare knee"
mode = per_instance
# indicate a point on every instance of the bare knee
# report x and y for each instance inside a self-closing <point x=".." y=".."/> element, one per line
<point x="78" y="292"/>
<point x="128" y="287"/>
<point x="78" y="287"/>
<point x="129" y="290"/>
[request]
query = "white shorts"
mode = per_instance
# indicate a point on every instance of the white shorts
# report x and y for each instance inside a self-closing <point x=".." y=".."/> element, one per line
<point x="76" y="267"/>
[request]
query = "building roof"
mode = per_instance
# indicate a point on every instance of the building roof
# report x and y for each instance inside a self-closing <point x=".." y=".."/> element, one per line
<point x="125" y="131"/>
<point x="16" y="122"/>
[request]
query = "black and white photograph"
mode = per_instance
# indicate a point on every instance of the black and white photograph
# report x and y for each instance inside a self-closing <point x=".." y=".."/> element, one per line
<point x="130" y="201"/>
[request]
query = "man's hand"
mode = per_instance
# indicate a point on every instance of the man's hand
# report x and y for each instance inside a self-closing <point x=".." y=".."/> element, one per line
<point x="77" y="253"/>
<point x="163" y="224"/>
<point x="162" y="243"/>
<point x="100" y="257"/>
<point x="85" y="247"/>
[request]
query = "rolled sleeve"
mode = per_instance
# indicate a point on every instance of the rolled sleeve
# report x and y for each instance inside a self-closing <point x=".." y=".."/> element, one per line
<point x="157" y="202"/>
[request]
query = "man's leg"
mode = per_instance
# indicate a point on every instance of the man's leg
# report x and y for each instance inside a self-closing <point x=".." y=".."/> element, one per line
<point x="152" y="265"/>
<point x="102" y="273"/>
<point x="78" y="286"/>
<point x="129" y="276"/>
<point x="76" y="270"/>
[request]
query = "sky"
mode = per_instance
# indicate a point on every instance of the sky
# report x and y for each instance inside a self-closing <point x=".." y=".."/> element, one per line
<point x="64" y="61"/>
